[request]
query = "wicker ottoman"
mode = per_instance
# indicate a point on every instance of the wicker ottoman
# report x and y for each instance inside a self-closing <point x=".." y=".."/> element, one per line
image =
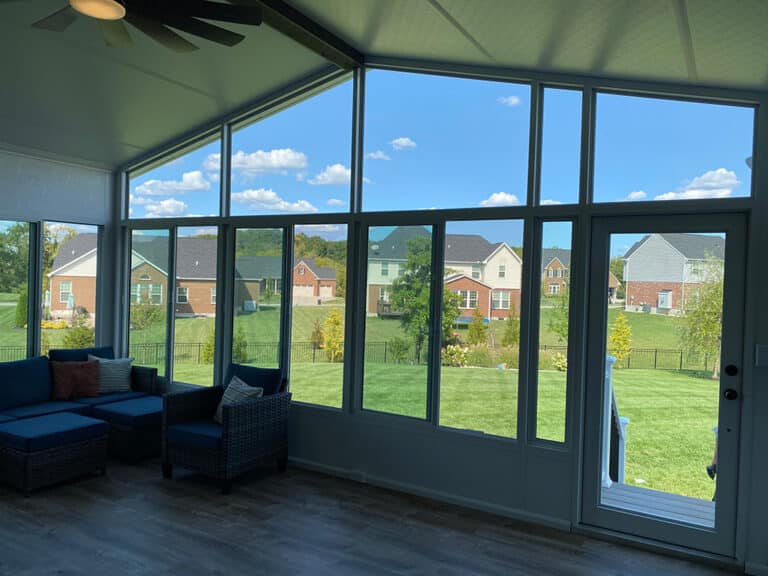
<point x="37" y="452"/>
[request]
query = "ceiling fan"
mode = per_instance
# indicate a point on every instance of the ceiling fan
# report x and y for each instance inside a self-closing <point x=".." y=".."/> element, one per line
<point x="157" y="18"/>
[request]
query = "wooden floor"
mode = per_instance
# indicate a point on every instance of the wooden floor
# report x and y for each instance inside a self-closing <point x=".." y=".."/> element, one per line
<point x="133" y="522"/>
<point x="663" y="504"/>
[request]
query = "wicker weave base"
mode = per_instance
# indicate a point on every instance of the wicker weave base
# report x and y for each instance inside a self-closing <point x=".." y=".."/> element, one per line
<point x="29" y="471"/>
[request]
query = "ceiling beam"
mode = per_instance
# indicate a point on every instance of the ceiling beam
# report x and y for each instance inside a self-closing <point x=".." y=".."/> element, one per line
<point x="289" y="21"/>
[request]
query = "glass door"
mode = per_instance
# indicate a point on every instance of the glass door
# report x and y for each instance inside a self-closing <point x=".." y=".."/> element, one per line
<point x="663" y="378"/>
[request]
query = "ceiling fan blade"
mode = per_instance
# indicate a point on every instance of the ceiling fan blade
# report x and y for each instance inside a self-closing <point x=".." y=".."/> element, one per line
<point x="160" y="33"/>
<point x="115" y="33"/>
<point x="203" y="29"/>
<point x="240" y="14"/>
<point x="58" y="21"/>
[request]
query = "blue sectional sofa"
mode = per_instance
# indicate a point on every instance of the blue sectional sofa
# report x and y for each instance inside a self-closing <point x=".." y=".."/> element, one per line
<point x="134" y="418"/>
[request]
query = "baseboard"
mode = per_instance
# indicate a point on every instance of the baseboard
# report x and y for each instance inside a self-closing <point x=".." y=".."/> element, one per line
<point x="416" y="490"/>
<point x="756" y="569"/>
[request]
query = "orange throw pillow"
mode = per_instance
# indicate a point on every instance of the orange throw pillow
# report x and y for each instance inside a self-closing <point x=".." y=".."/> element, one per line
<point x="74" y="379"/>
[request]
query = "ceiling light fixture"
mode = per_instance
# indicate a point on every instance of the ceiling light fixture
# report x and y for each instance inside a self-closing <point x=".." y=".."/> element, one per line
<point x="100" y="9"/>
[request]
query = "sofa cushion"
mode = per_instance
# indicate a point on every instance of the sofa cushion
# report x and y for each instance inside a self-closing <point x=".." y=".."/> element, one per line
<point x="52" y="407"/>
<point x="136" y="413"/>
<point x="43" y="432"/>
<point x="24" y="382"/>
<point x="6" y="419"/>
<point x="81" y="354"/>
<point x="196" y="434"/>
<point x="270" y="379"/>
<point x="74" y="379"/>
<point x="114" y="374"/>
<point x="109" y="398"/>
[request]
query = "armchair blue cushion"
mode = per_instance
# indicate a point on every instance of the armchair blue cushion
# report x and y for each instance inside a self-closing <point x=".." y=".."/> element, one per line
<point x="81" y="354"/>
<point x="270" y="379"/>
<point x="24" y="382"/>
<point x="196" y="434"/>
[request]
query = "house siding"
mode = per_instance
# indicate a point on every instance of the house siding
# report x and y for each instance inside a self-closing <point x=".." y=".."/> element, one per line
<point x="654" y="261"/>
<point x="83" y="289"/>
<point x="513" y="274"/>
<point x="561" y="282"/>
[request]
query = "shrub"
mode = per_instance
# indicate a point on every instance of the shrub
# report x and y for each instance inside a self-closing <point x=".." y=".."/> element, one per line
<point x="398" y="349"/>
<point x="620" y="340"/>
<point x="239" y="346"/>
<point x="206" y="354"/>
<point x="511" y="335"/>
<point x="479" y="356"/>
<point x="560" y="362"/>
<point x="145" y="315"/>
<point x="53" y="324"/>
<point x="334" y="336"/>
<point x="478" y="331"/>
<point x="318" y="337"/>
<point x="21" y="309"/>
<point x="80" y="335"/>
<point x="455" y="356"/>
<point x="510" y="357"/>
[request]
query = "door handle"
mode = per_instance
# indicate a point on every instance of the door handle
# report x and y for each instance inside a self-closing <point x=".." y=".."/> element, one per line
<point x="730" y="394"/>
<point x="731" y="370"/>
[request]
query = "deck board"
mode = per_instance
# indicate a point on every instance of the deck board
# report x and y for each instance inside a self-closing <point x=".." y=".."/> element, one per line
<point x="663" y="504"/>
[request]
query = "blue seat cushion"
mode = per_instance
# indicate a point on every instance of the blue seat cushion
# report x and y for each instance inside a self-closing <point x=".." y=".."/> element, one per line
<point x="43" y="432"/>
<point x="24" y="382"/>
<point x="44" y="408"/>
<point x="137" y="413"/>
<point x="109" y="398"/>
<point x="270" y="379"/>
<point x="81" y="354"/>
<point x="196" y="434"/>
<point x="6" y="419"/>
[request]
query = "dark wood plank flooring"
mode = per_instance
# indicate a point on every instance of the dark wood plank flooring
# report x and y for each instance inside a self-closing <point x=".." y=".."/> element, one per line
<point x="132" y="522"/>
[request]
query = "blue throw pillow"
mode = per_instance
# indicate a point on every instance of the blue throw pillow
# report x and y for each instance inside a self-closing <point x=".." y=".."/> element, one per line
<point x="81" y="354"/>
<point x="270" y="379"/>
<point x="24" y="382"/>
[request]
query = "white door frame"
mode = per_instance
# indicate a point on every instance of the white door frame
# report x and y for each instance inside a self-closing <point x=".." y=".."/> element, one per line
<point x="722" y="538"/>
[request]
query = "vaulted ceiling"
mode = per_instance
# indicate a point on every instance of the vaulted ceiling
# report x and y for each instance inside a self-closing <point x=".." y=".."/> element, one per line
<point x="70" y="95"/>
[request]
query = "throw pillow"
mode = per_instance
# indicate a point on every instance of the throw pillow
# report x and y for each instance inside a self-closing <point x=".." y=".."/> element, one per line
<point x="237" y="391"/>
<point x="74" y="379"/>
<point x="114" y="375"/>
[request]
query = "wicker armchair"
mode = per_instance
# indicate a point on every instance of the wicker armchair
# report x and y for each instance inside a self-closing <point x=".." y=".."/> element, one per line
<point x="251" y="432"/>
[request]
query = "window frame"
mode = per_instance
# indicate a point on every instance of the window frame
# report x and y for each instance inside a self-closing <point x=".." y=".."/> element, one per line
<point x="62" y="283"/>
<point x="179" y="292"/>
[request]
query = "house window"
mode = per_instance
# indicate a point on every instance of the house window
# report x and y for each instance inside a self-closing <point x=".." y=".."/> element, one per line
<point x="182" y="295"/>
<point x="476" y="271"/>
<point x="502" y="270"/>
<point x="156" y="294"/>
<point x="550" y="273"/>
<point x="554" y="289"/>
<point x="383" y="294"/>
<point x="135" y="293"/>
<point x="500" y="300"/>
<point x="145" y="277"/>
<point x="301" y="270"/>
<point x="665" y="299"/>
<point x="385" y="268"/>
<point x="213" y="296"/>
<point x="468" y="298"/>
<point x="65" y="291"/>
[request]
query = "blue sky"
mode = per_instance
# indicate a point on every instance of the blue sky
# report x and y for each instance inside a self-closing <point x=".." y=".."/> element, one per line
<point x="438" y="142"/>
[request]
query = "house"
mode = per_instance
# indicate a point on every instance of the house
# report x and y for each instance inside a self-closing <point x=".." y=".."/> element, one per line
<point x="661" y="271"/>
<point x="484" y="274"/>
<point x="73" y="277"/>
<point x="556" y="264"/>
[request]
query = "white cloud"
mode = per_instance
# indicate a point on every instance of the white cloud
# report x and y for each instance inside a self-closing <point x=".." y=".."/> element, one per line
<point x="267" y="199"/>
<point x="402" y="143"/>
<point x="336" y="202"/>
<point x="510" y="101"/>
<point x="190" y="182"/>
<point x="379" y="155"/>
<point x="500" y="199"/>
<point x="550" y="202"/>
<point x="636" y="195"/>
<point x="280" y="160"/>
<point x="335" y="174"/>
<point x="712" y="184"/>
<point x="167" y="208"/>
<point x="318" y="228"/>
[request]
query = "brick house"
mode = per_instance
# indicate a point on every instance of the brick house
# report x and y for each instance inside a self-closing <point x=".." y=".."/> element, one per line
<point x="555" y="273"/>
<point x="71" y="281"/>
<point x="312" y="282"/>
<point x="662" y="270"/>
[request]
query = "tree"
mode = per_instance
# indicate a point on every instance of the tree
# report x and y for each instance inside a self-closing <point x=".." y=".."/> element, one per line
<point x="14" y="257"/>
<point x="21" y="308"/>
<point x="318" y="337"/>
<point x="145" y="315"/>
<point x="702" y="325"/>
<point x="478" y="331"/>
<point x="80" y="335"/>
<point x="206" y="353"/>
<point x="617" y="267"/>
<point x="511" y="335"/>
<point x="334" y="336"/>
<point x="239" y="346"/>
<point x="620" y="339"/>
<point x="558" y="319"/>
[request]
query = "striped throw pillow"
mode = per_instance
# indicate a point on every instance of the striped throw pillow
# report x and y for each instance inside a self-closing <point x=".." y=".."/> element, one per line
<point x="237" y="391"/>
<point x="114" y="375"/>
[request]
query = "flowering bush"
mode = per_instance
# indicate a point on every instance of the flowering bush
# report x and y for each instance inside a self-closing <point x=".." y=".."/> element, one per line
<point x="560" y="362"/>
<point x="455" y="356"/>
<point x="54" y="324"/>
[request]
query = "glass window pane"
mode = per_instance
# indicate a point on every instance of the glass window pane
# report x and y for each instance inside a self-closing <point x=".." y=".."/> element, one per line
<point x="655" y="149"/>
<point x="397" y="322"/>
<point x="70" y="262"/>
<point x="194" y="325"/>
<point x="561" y="147"/>
<point x="148" y="306"/>
<point x="554" y="308"/>
<point x="258" y="296"/>
<point x="481" y="326"/>
<point x="185" y="185"/>
<point x="279" y="166"/>
<point x="442" y="142"/>
<point x="14" y="289"/>
<point x="318" y="318"/>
